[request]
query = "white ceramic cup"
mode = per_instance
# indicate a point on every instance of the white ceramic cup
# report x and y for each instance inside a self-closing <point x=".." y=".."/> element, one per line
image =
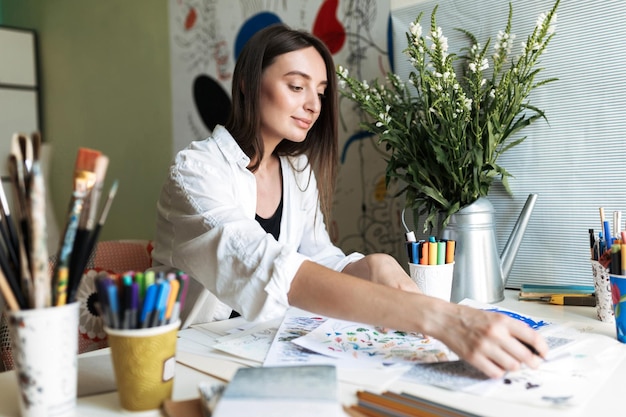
<point x="45" y="349"/>
<point x="433" y="280"/>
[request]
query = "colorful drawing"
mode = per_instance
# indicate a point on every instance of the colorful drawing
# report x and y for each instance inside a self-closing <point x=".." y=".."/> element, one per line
<point x="343" y="339"/>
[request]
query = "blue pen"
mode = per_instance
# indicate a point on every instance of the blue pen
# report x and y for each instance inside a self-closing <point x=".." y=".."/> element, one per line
<point x="113" y="306"/>
<point x="161" y="305"/>
<point x="149" y="304"/>
<point x="415" y="256"/>
<point x="134" y="305"/>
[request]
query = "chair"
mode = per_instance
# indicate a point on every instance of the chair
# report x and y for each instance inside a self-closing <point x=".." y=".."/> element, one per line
<point x="113" y="256"/>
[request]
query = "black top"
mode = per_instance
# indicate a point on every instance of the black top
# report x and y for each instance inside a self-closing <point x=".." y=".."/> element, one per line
<point x="272" y="225"/>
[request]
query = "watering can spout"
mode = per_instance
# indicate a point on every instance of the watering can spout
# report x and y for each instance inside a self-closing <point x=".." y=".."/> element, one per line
<point x="507" y="258"/>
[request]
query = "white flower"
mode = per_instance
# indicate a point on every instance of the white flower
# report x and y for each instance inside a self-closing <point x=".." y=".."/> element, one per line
<point x="416" y="29"/>
<point x="343" y="72"/>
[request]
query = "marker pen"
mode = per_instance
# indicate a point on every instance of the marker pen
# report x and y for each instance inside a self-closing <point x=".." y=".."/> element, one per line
<point x="410" y="239"/>
<point x="450" y="249"/>
<point x="432" y="251"/>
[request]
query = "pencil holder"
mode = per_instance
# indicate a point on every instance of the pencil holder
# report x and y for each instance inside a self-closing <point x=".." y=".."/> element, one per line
<point x="602" y="285"/>
<point x="45" y="348"/>
<point x="433" y="280"/>
<point x="144" y="361"/>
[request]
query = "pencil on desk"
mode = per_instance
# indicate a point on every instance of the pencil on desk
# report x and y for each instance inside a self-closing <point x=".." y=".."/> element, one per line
<point x="392" y="404"/>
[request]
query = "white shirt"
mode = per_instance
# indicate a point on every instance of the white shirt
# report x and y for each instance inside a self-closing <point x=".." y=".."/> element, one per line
<point x="206" y="227"/>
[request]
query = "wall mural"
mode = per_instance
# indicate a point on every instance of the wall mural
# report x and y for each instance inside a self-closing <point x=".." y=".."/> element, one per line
<point x="205" y="39"/>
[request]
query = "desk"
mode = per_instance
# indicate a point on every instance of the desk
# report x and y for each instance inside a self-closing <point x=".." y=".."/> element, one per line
<point x="605" y="401"/>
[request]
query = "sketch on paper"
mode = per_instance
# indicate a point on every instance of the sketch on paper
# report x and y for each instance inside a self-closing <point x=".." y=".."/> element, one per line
<point x="282" y="351"/>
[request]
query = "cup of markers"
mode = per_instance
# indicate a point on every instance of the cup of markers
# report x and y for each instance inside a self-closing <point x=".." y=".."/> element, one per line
<point x="431" y="266"/>
<point x="141" y="316"/>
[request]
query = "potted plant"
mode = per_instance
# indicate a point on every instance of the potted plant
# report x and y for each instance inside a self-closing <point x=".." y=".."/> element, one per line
<point x="445" y="127"/>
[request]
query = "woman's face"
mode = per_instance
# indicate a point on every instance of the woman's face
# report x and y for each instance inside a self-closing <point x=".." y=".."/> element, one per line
<point x="292" y="88"/>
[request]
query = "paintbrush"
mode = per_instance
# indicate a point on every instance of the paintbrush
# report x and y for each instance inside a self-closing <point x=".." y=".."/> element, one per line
<point x="9" y="234"/>
<point x="103" y="217"/>
<point x="41" y="294"/>
<point x="61" y="272"/>
<point x="84" y="180"/>
<point x="93" y="237"/>
<point x="82" y="251"/>
<point x="85" y="168"/>
<point x="17" y="178"/>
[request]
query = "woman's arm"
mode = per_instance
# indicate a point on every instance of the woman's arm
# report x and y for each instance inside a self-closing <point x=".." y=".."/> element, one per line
<point x="382" y="269"/>
<point x="490" y="341"/>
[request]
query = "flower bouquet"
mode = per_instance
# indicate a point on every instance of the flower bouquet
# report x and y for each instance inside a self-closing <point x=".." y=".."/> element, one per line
<point x="445" y="127"/>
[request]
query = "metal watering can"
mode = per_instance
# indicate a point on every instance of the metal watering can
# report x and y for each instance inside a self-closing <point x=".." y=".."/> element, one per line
<point x="479" y="273"/>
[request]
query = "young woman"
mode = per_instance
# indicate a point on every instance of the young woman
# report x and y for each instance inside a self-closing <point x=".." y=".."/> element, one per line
<point x="243" y="213"/>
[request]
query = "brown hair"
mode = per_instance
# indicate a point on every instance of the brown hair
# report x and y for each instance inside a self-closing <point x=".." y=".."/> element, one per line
<point x="244" y="122"/>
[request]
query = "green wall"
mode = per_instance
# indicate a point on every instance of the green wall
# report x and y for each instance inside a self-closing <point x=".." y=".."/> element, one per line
<point x="105" y="79"/>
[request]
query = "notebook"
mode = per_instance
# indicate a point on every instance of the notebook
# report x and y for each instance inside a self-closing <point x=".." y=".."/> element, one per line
<point x="302" y="390"/>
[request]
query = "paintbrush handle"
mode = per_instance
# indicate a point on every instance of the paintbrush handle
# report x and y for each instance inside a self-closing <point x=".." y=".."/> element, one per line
<point x="78" y="261"/>
<point x="60" y="284"/>
<point x="7" y="293"/>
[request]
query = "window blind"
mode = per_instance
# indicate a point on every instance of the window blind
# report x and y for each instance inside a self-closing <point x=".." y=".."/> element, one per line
<point x="575" y="162"/>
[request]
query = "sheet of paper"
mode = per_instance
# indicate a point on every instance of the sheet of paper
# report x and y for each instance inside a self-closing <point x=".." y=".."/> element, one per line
<point x="296" y="323"/>
<point x="198" y="343"/>
<point x="368" y="344"/>
<point x="252" y="343"/>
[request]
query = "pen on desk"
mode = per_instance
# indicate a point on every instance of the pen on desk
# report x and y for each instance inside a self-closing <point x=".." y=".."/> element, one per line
<point x="573" y="300"/>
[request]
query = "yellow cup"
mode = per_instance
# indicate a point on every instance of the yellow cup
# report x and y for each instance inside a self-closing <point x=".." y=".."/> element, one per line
<point x="144" y="361"/>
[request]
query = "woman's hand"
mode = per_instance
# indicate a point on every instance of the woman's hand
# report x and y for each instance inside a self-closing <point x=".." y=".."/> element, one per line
<point x="382" y="269"/>
<point x="492" y="342"/>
